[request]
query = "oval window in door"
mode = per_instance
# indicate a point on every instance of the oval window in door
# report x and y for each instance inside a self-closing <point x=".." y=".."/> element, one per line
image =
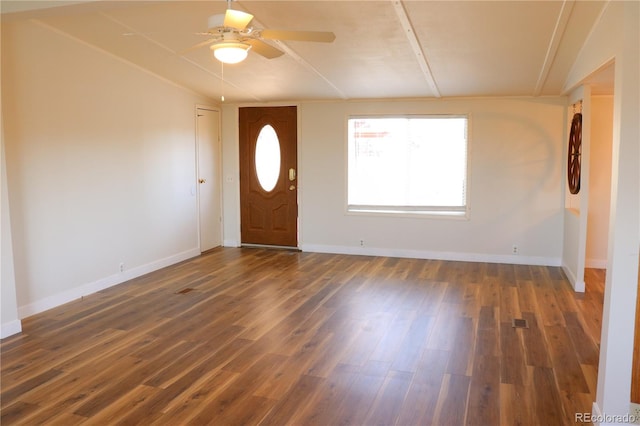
<point x="267" y="158"/>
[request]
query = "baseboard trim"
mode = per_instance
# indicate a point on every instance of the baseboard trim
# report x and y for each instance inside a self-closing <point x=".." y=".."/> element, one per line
<point x="578" y="286"/>
<point x="101" y="284"/>
<point x="10" y="328"/>
<point x="435" y="255"/>
<point x="231" y="243"/>
<point x="595" y="413"/>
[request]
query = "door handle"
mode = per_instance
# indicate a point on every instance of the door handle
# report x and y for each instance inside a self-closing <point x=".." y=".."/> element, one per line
<point x="292" y="174"/>
<point x="202" y="180"/>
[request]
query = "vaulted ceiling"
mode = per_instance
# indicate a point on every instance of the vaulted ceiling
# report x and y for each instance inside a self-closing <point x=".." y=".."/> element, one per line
<point x="383" y="49"/>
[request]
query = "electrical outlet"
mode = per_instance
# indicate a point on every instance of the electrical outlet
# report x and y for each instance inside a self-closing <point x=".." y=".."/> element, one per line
<point x="121" y="266"/>
<point x="361" y="243"/>
<point x="514" y="249"/>
<point x="634" y="413"/>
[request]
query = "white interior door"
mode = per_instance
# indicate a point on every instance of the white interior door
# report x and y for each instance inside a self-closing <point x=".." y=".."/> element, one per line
<point x="209" y="178"/>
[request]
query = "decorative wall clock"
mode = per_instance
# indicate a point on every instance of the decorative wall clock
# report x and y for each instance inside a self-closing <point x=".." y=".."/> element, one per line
<point x="574" y="154"/>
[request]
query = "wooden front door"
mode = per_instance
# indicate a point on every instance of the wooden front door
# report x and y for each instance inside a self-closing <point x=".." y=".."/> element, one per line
<point x="268" y="176"/>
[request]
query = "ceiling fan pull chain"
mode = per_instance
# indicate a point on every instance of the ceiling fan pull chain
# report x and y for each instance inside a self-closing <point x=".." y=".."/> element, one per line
<point x="222" y="81"/>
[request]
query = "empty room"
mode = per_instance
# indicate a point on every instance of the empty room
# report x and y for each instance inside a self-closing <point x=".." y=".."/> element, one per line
<point x="305" y="212"/>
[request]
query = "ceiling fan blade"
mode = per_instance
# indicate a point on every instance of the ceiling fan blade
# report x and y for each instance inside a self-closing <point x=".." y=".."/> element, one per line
<point x="237" y="19"/>
<point x="321" y="36"/>
<point x="264" y="49"/>
<point x="198" y="46"/>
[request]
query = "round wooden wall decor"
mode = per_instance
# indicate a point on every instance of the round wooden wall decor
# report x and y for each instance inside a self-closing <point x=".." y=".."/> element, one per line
<point x="575" y="148"/>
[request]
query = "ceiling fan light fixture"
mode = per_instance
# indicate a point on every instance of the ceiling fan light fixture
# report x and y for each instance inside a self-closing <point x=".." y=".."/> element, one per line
<point x="231" y="52"/>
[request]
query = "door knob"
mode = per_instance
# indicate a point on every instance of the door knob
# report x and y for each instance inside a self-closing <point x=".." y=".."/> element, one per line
<point x="202" y="180"/>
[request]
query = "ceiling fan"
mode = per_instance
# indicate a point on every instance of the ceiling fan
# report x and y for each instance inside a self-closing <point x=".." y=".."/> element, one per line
<point x="231" y="37"/>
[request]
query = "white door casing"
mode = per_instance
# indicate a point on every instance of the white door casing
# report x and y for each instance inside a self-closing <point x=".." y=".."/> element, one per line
<point x="209" y="181"/>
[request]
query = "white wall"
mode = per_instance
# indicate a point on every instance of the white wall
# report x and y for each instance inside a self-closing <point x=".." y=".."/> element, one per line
<point x="10" y="322"/>
<point x="8" y="303"/>
<point x="617" y="36"/>
<point x="101" y="167"/>
<point x="571" y="261"/>
<point x="599" y="181"/>
<point x="231" y="176"/>
<point x="515" y="183"/>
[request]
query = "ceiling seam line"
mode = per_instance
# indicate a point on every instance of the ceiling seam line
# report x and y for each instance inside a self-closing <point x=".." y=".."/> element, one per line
<point x="310" y="67"/>
<point x="554" y="44"/>
<point x="415" y="46"/>
<point x="300" y="60"/>
<point x="168" y="49"/>
<point x="114" y="56"/>
<point x="569" y="74"/>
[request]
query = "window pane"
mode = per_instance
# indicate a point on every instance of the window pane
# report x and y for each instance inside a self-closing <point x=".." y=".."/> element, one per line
<point x="407" y="161"/>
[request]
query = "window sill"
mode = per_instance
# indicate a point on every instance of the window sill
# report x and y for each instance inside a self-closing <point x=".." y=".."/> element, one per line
<point x="427" y="214"/>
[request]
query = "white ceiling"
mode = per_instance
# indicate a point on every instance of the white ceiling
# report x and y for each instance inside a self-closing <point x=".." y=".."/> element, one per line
<point x="383" y="49"/>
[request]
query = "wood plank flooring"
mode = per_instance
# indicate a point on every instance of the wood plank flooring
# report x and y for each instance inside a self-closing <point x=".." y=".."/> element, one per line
<point x="255" y="336"/>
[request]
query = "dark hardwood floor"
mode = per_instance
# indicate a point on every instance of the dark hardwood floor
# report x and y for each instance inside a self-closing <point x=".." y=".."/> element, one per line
<point x="254" y="336"/>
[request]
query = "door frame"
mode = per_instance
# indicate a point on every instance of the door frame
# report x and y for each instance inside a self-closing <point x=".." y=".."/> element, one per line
<point x="236" y="148"/>
<point x="196" y="187"/>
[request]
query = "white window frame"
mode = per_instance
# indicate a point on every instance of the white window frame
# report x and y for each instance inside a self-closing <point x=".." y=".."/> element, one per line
<point x="449" y="212"/>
